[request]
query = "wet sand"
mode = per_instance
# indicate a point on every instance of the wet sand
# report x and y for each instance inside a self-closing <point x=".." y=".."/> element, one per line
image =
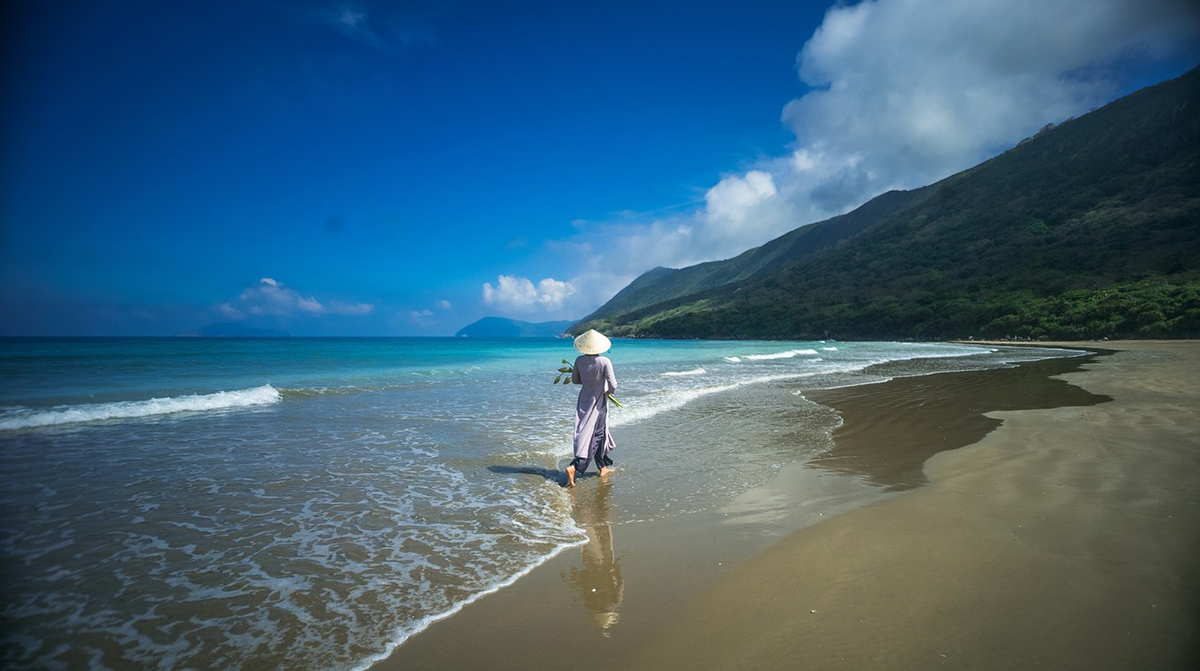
<point x="1065" y="534"/>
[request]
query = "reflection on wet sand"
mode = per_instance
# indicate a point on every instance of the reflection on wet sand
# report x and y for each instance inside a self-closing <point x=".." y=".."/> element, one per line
<point x="600" y="585"/>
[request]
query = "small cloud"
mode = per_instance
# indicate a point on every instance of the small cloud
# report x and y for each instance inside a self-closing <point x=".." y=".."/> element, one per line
<point x="421" y="317"/>
<point x="229" y="312"/>
<point x="522" y="295"/>
<point x="271" y="297"/>
<point x="445" y="305"/>
<point x="309" y="305"/>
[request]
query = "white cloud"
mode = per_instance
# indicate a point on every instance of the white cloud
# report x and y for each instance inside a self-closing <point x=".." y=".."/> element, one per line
<point x="903" y="93"/>
<point x="734" y="198"/>
<point x="445" y="305"/>
<point x="273" y="298"/>
<point x="270" y="297"/>
<point x="552" y="293"/>
<point x="521" y="296"/>
<point x="907" y="92"/>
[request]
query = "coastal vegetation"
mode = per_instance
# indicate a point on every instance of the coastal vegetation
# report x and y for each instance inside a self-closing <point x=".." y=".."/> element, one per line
<point x="1089" y="229"/>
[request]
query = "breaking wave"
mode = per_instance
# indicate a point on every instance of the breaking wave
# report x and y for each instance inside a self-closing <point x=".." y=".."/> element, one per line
<point x="779" y="355"/>
<point x="25" y="418"/>
<point x="694" y="371"/>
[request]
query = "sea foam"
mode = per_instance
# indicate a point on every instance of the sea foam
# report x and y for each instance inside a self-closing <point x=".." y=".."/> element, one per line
<point x="648" y="407"/>
<point x="779" y="355"/>
<point x="681" y="373"/>
<point x="25" y="418"/>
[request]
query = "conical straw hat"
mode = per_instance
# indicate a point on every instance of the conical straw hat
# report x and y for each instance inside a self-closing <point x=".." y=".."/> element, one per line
<point x="592" y="342"/>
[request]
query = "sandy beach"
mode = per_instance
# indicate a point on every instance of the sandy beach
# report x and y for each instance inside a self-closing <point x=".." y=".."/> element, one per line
<point x="1046" y="516"/>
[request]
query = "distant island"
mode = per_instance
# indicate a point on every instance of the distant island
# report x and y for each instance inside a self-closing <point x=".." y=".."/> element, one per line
<point x="230" y="330"/>
<point x="501" y="327"/>
<point x="1089" y="229"/>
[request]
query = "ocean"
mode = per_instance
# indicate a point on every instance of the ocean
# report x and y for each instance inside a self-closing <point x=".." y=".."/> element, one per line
<point x="310" y="503"/>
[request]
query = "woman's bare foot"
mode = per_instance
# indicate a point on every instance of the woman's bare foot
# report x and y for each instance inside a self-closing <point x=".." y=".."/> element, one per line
<point x="570" y="476"/>
<point x="605" y="471"/>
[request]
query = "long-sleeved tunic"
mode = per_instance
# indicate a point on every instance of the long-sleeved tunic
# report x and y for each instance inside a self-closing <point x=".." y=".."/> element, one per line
<point x="595" y="375"/>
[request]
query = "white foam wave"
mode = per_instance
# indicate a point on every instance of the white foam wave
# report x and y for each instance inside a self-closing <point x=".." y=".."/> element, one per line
<point x="933" y="352"/>
<point x="694" y="371"/>
<point x="309" y="392"/>
<point x="24" y="418"/>
<point x="829" y="349"/>
<point x="650" y="406"/>
<point x="733" y="359"/>
<point x="646" y="407"/>
<point x="780" y="355"/>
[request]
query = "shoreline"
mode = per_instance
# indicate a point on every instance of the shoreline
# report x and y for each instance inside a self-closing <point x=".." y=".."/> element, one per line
<point x="1065" y="538"/>
<point x="666" y="564"/>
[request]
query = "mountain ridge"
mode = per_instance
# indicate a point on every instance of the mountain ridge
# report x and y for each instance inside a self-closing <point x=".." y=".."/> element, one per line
<point x="799" y="242"/>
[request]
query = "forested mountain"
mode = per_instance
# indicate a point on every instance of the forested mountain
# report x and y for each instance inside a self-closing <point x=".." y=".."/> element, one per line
<point x="1088" y="229"/>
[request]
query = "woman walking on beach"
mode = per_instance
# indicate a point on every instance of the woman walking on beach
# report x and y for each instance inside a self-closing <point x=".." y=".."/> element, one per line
<point x="594" y="373"/>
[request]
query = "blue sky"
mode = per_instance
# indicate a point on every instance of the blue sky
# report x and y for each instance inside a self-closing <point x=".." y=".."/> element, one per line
<point x="371" y="168"/>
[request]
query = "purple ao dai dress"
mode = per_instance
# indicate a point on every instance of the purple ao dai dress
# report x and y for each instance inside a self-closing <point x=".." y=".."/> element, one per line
<point x="592" y="439"/>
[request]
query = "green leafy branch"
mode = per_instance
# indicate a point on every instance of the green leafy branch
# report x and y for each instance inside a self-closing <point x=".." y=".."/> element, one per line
<point x="564" y="376"/>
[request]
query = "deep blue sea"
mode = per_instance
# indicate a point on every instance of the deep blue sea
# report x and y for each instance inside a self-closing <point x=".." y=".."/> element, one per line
<point x="309" y="503"/>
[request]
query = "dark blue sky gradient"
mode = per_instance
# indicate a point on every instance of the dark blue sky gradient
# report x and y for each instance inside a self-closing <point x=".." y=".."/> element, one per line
<point x="161" y="157"/>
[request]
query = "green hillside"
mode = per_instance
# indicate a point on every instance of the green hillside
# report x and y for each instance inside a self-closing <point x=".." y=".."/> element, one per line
<point x="1089" y="229"/>
<point x="665" y="284"/>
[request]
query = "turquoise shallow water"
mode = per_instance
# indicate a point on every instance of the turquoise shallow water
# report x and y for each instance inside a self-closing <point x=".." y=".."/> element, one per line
<point x="309" y="503"/>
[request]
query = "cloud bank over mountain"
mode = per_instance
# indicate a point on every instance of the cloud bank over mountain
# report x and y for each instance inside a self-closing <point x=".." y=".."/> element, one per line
<point x="901" y="93"/>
